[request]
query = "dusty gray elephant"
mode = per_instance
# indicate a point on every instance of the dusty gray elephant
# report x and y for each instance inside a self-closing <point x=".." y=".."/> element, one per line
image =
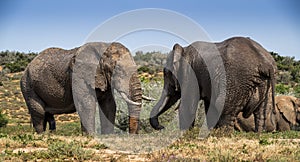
<point x="57" y="80"/>
<point x="224" y="75"/>
<point x="287" y="116"/>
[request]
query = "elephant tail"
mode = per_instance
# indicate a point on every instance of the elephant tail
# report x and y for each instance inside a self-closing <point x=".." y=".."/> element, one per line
<point x="25" y="85"/>
<point x="272" y="75"/>
<point x="272" y="82"/>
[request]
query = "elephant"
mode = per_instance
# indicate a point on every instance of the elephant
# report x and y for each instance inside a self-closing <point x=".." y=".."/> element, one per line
<point x="62" y="81"/>
<point x="232" y="76"/>
<point x="287" y="116"/>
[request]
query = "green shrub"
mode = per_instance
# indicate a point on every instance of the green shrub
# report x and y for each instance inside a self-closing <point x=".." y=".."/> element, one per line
<point x="15" y="61"/>
<point x="3" y="120"/>
<point x="143" y="69"/>
<point x="282" y="89"/>
<point x="297" y="91"/>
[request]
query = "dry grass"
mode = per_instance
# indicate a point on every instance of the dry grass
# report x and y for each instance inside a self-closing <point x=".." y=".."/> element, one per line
<point x="18" y="142"/>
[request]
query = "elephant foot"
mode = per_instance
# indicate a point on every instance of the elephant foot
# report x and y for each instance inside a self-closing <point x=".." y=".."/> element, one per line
<point x="223" y="131"/>
<point x="52" y="131"/>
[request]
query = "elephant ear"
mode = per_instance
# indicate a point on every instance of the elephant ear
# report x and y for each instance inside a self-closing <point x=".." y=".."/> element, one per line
<point x="105" y="69"/>
<point x="286" y="107"/>
<point x="178" y="50"/>
<point x="101" y="78"/>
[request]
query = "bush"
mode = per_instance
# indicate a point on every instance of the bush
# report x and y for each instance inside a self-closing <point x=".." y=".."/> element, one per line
<point x="15" y="61"/>
<point x="297" y="91"/>
<point x="3" y="120"/>
<point x="282" y="89"/>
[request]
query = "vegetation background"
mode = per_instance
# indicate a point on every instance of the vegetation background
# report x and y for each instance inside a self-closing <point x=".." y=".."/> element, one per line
<point x="19" y="142"/>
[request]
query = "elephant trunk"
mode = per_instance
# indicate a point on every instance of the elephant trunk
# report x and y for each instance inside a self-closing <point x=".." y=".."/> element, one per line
<point x="165" y="102"/>
<point x="135" y="93"/>
<point x="158" y="109"/>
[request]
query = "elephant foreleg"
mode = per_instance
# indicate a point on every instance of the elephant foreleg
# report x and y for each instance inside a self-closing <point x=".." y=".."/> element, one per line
<point x="107" y="113"/>
<point x="228" y="116"/>
<point x="187" y="110"/>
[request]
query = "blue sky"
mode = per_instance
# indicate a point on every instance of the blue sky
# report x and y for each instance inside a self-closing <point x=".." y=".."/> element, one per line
<point x="33" y="25"/>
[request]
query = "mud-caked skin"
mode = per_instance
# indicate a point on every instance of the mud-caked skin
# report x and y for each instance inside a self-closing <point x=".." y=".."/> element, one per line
<point x="247" y="77"/>
<point x="287" y="116"/>
<point x="47" y="85"/>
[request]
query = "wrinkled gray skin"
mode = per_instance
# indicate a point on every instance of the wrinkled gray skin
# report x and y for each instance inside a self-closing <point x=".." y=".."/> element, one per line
<point x="250" y="71"/>
<point x="287" y="116"/>
<point x="57" y="80"/>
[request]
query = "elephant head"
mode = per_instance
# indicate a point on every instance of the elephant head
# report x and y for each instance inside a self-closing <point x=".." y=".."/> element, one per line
<point x="179" y="83"/>
<point x="289" y="106"/>
<point x="118" y="69"/>
<point x="224" y="75"/>
<point x="106" y="67"/>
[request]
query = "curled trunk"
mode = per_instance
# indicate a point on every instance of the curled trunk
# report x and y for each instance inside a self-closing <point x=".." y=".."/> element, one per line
<point x="157" y="110"/>
<point x="165" y="102"/>
<point x="135" y="93"/>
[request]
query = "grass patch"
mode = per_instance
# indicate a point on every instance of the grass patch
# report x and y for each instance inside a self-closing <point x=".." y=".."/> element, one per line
<point x="19" y="142"/>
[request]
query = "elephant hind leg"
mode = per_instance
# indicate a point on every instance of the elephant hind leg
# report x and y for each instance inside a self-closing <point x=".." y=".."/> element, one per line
<point x="228" y="118"/>
<point x="36" y="110"/>
<point x="226" y="121"/>
<point x="49" y="118"/>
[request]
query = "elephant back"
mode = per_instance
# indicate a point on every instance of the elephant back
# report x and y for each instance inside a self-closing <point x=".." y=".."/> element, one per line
<point x="48" y="75"/>
<point x="53" y="61"/>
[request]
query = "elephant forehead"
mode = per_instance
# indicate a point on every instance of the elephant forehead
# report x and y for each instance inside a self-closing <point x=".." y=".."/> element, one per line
<point x="125" y="69"/>
<point x="126" y="62"/>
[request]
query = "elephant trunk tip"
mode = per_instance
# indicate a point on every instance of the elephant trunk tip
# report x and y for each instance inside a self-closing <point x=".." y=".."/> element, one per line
<point x="155" y="124"/>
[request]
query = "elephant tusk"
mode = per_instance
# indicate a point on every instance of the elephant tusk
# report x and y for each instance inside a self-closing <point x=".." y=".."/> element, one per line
<point x="148" y="98"/>
<point x="128" y="100"/>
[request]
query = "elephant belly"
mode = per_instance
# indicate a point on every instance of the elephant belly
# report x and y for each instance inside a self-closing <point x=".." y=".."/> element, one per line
<point x="67" y="109"/>
<point x="56" y="99"/>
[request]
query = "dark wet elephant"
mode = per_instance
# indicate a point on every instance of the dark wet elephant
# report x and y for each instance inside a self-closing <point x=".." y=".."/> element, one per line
<point x="287" y="116"/>
<point x="225" y="75"/>
<point x="57" y="80"/>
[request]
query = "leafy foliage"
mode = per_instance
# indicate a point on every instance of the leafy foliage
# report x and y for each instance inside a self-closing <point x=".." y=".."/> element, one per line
<point x="287" y="64"/>
<point x="150" y="62"/>
<point x="282" y="89"/>
<point x="3" y="120"/>
<point x="288" y="76"/>
<point x="15" y="61"/>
